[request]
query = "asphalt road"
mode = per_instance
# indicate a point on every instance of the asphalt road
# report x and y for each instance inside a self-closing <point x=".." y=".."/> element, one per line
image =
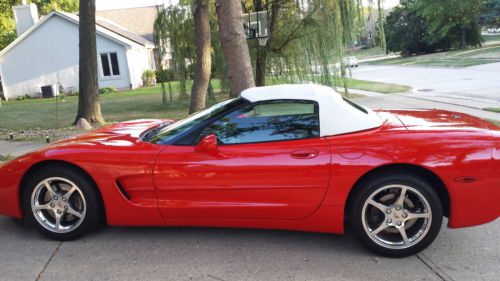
<point x="477" y="86"/>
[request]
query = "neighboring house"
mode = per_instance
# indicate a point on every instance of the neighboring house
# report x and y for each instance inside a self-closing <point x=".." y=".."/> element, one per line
<point x="46" y="53"/>
<point x="139" y="20"/>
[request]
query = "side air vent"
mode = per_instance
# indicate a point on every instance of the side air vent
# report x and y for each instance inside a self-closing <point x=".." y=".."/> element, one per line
<point x="122" y="190"/>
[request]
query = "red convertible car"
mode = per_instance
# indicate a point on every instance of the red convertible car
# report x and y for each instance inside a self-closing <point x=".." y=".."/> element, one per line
<point x="296" y="157"/>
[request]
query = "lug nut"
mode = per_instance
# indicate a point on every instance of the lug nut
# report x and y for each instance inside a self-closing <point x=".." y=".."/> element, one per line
<point x="405" y="215"/>
<point x="55" y="197"/>
<point x="66" y="208"/>
<point x="388" y="211"/>
<point x="398" y="208"/>
<point x="52" y="205"/>
<point x="59" y="211"/>
<point x="389" y="220"/>
<point x="398" y="223"/>
<point x="64" y="199"/>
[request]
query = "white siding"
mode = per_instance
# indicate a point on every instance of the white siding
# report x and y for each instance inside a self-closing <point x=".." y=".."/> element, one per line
<point x="49" y="55"/>
<point x="139" y="60"/>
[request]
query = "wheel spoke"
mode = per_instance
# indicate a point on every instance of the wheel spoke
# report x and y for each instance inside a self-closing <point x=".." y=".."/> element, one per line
<point x="378" y="229"/>
<point x="74" y="212"/>
<point x="49" y="188"/>
<point x="402" y="231"/>
<point x="418" y="216"/>
<point x="41" y="207"/>
<point x="401" y="199"/>
<point x="58" y="221"/>
<point x="378" y="205"/>
<point x="70" y="192"/>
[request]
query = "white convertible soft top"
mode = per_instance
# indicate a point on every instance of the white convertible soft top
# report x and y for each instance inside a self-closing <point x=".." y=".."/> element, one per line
<point x="336" y="115"/>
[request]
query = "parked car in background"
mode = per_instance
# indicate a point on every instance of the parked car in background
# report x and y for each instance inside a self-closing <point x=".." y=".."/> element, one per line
<point x="351" y="61"/>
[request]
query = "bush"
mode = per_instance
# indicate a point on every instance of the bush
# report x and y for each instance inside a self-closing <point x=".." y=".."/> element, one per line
<point x="149" y="78"/>
<point x="165" y="75"/>
<point x="108" y="90"/>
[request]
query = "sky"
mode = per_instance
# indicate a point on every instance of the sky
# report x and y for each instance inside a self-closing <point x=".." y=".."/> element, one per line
<point x="122" y="4"/>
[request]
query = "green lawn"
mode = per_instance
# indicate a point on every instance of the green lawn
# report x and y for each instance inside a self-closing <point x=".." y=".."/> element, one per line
<point x="384" y="88"/>
<point x="489" y="38"/>
<point x="35" y="118"/>
<point x="494" y="109"/>
<point x="367" y="53"/>
<point x="134" y="104"/>
<point x="456" y="58"/>
<point x="5" y="158"/>
<point x="496" y="122"/>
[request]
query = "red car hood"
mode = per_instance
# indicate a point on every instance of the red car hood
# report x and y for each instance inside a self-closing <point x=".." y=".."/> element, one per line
<point x="440" y="120"/>
<point x="115" y="134"/>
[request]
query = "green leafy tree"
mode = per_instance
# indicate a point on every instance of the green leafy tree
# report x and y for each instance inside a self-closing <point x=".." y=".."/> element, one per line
<point x="407" y="31"/>
<point x="490" y="13"/>
<point x="452" y="19"/>
<point x="8" y="26"/>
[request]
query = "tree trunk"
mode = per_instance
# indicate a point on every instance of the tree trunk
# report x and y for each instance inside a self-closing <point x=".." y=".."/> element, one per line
<point x="89" y="106"/>
<point x="464" y="38"/>
<point x="260" y="66"/>
<point x="234" y="46"/>
<point x="203" y="37"/>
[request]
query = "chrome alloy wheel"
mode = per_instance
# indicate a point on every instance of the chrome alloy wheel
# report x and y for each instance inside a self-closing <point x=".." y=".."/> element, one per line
<point x="396" y="216"/>
<point x="58" y="205"/>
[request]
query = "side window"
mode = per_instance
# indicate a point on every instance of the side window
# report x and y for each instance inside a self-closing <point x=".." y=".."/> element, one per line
<point x="267" y="121"/>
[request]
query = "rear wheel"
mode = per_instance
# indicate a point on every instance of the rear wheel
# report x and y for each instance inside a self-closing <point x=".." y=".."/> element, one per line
<point x="396" y="215"/>
<point x="62" y="203"/>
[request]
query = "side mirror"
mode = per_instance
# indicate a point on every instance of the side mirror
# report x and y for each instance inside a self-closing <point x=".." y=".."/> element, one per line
<point x="208" y="144"/>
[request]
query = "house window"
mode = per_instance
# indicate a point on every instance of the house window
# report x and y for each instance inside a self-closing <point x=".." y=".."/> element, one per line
<point x="109" y="63"/>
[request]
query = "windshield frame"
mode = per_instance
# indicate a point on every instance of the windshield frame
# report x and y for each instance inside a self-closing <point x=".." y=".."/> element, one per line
<point x="204" y="116"/>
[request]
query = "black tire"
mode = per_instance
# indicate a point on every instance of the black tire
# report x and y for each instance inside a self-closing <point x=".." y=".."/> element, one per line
<point x="374" y="186"/>
<point x="93" y="215"/>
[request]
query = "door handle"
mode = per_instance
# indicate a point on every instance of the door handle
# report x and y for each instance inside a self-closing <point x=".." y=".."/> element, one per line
<point x="304" y="153"/>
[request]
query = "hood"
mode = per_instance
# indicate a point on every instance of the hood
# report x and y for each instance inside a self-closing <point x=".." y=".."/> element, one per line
<point x="440" y="120"/>
<point x="119" y="134"/>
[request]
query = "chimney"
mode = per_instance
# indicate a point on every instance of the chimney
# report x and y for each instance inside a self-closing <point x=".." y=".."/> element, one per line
<point x="25" y="15"/>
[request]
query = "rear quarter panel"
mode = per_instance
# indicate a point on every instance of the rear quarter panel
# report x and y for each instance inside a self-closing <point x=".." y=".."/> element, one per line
<point x="450" y="154"/>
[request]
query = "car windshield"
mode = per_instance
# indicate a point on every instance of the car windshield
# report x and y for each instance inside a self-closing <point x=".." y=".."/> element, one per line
<point x="175" y="129"/>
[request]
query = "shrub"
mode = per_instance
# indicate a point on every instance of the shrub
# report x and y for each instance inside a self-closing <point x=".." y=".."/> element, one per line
<point x="149" y="77"/>
<point x="107" y="90"/>
<point x="165" y="75"/>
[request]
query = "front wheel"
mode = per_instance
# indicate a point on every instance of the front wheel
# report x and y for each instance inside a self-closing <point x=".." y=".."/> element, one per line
<point x="396" y="215"/>
<point x="62" y="203"/>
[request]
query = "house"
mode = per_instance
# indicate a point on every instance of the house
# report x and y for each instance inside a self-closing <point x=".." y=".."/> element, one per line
<point x="46" y="54"/>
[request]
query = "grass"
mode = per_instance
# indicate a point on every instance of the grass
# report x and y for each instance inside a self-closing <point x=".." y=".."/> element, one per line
<point x="379" y="87"/>
<point x="456" y="58"/>
<point x="5" y="158"/>
<point x="355" y="84"/>
<point x="489" y="38"/>
<point x="135" y="104"/>
<point x="33" y="119"/>
<point x="493" y="109"/>
<point x="496" y="122"/>
<point x="368" y="53"/>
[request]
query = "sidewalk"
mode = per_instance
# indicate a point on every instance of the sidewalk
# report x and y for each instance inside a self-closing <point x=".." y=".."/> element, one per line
<point x="18" y="148"/>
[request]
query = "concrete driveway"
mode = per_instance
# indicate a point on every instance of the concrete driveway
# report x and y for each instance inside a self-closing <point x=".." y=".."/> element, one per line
<point x="233" y="254"/>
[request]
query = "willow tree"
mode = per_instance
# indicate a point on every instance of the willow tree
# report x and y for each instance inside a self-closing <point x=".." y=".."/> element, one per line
<point x="306" y="39"/>
<point x="173" y="30"/>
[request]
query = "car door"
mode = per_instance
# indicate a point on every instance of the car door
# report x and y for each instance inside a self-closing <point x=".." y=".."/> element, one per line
<point x="269" y="163"/>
